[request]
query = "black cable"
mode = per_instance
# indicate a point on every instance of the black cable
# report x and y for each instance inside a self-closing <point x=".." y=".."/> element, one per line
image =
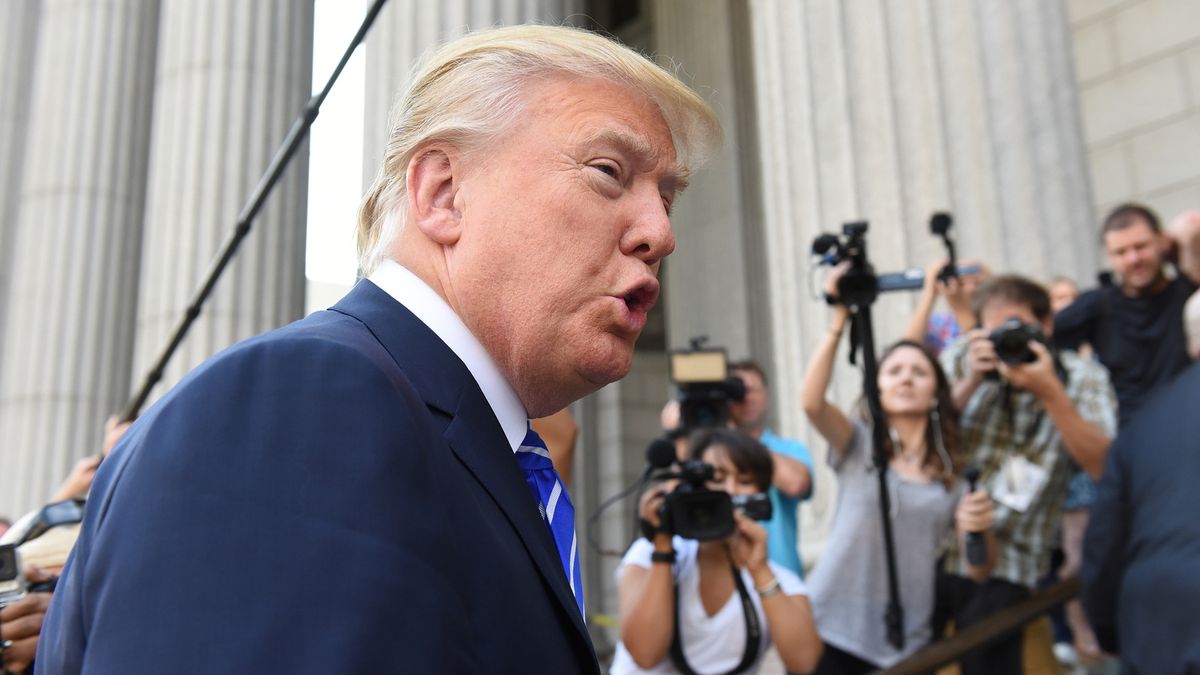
<point x="594" y="518"/>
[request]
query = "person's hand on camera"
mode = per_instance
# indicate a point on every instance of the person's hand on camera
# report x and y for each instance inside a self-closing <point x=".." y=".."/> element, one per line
<point x="958" y="289"/>
<point x="748" y="544"/>
<point x="981" y="355"/>
<point x="933" y="278"/>
<point x="650" y="509"/>
<point x="834" y="277"/>
<point x="21" y="624"/>
<point x="975" y="513"/>
<point x="1037" y="377"/>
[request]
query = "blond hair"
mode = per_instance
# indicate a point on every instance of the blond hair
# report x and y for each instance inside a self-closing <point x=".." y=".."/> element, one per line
<point x="469" y="91"/>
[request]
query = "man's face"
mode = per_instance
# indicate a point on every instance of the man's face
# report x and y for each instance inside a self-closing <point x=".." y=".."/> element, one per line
<point x="999" y="310"/>
<point x="564" y="226"/>
<point x="751" y="412"/>
<point x="1136" y="255"/>
<point x="1062" y="294"/>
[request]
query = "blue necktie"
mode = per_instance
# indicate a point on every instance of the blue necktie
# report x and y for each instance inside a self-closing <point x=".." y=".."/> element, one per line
<point x="555" y="506"/>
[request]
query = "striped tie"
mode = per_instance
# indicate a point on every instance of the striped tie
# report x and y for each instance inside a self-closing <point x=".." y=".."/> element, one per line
<point x="555" y="506"/>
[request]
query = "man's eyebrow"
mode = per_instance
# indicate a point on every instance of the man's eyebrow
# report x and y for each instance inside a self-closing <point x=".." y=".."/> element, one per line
<point x="642" y="150"/>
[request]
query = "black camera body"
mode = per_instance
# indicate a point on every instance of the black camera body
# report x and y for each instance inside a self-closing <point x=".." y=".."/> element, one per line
<point x="693" y="511"/>
<point x="12" y="580"/>
<point x="1011" y="341"/>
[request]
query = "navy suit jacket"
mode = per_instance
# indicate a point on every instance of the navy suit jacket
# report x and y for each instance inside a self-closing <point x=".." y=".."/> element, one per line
<point x="335" y="496"/>
<point x="1141" y="556"/>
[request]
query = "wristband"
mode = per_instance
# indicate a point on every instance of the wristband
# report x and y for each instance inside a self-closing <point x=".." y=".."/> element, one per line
<point x="663" y="557"/>
<point x="770" y="589"/>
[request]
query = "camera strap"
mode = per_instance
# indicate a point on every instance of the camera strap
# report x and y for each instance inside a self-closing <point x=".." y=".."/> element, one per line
<point x="753" y="631"/>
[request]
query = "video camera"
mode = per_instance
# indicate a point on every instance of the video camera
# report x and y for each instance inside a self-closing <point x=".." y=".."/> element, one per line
<point x="694" y="511"/>
<point x="705" y="386"/>
<point x="861" y="286"/>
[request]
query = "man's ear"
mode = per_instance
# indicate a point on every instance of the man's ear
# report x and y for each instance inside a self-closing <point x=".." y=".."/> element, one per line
<point x="433" y="182"/>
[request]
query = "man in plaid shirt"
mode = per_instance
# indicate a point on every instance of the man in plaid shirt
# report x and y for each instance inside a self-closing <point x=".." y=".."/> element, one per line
<point x="1026" y="427"/>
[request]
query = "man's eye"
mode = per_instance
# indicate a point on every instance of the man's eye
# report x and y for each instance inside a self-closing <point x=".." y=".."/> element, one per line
<point x="607" y="169"/>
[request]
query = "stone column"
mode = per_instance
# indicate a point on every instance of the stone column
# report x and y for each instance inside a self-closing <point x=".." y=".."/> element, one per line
<point x="711" y="279"/>
<point x="232" y="78"/>
<point x="18" y="33"/>
<point x="888" y="112"/>
<point x="75" y="257"/>
<point x="406" y="29"/>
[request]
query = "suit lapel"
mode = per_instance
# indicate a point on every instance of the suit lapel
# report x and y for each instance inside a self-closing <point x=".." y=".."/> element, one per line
<point x="474" y="434"/>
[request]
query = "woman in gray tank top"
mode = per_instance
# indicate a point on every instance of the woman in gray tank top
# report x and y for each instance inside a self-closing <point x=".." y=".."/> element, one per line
<point x="848" y="586"/>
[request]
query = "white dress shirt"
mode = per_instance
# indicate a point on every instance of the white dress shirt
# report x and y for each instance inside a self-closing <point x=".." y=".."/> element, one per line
<point x="409" y="290"/>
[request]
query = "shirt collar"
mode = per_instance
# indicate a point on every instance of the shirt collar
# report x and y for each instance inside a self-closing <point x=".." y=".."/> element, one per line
<point x="409" y="290"/>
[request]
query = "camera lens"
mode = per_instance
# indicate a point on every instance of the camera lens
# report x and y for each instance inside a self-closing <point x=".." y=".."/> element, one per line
<point x="1011" y="347"/>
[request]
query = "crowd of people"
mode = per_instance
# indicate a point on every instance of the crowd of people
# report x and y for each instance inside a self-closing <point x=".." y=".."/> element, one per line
<point x="340" y="495"/>
<point x="1032" y="428"/>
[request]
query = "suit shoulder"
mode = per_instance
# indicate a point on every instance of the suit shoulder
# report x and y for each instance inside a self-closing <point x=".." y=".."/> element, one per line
<point x="321" y="352"/>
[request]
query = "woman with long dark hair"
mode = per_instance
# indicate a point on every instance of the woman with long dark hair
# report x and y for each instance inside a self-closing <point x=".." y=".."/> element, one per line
<point x="848" y="586"/>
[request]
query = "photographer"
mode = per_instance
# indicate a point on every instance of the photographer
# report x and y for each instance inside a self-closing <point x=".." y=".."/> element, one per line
<point x="1026" y="414"/>
<point x="849" y="583"/>
<point x="710" y="607"/>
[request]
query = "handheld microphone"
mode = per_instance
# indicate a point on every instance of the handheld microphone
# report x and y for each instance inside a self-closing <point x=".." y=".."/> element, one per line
<point x="976" y="545"/>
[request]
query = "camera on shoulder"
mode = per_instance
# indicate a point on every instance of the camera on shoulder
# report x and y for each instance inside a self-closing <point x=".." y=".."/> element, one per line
<point x="693" y="510"/>
<point x="705" y="386"/>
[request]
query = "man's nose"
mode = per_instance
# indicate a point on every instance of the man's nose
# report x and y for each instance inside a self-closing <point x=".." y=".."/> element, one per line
<point x="649" y="237"/>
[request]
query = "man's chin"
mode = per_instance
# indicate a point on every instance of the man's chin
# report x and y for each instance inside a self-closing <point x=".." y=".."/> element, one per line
<point x="1143" y="284"/>
<point x="607" y="366"/>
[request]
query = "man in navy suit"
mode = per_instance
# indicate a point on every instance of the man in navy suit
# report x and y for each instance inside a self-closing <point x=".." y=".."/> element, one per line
<point x="341" y="495"/>
<point x="1141" y="556"/>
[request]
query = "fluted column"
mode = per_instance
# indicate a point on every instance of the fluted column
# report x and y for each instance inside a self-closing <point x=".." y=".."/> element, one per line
<point x="232" y="77"/>
<point x="74" y="261"/>
<point x="717" y="222"/>
<point x="889" y="111"/>
<point x="18" y="32"/>
<point x="406" y="29"/>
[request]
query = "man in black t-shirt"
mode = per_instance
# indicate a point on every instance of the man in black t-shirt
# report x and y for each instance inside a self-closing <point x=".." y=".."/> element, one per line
<point x="1135" y="324"/>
